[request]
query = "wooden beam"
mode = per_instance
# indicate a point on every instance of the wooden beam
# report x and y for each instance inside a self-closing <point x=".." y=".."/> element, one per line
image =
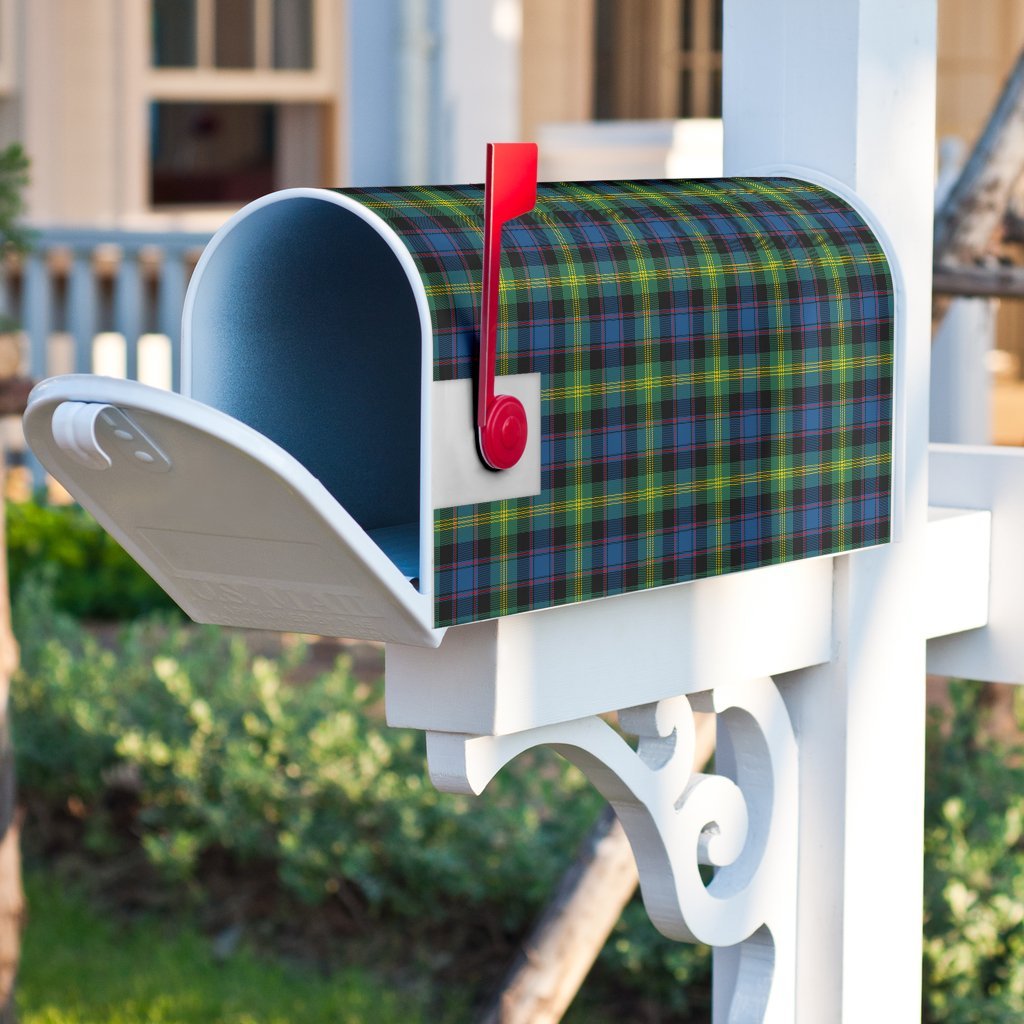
<point x="995" y="282"/>
<point x="975" y="207"/>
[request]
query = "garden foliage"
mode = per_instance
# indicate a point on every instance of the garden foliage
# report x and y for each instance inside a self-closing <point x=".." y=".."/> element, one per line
<point x="228" y="757"/>
<point x="91" y="575"/>
<point x="14" y="165"/>
<point x="974" y="867"/>
<point x="224" y="754"/>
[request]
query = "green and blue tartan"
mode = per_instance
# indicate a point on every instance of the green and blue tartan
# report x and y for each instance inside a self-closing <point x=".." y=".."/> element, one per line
<point x="716" y="361"/>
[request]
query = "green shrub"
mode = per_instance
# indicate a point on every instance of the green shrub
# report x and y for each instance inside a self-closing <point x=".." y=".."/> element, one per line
<point x="90" y="573"/>
<point x="974" y="869"/>
<point x="227" y="756"/>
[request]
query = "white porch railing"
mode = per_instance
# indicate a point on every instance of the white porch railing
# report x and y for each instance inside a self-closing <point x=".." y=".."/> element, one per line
<point x="99" y="301"/>
<point x="102" y="301"/>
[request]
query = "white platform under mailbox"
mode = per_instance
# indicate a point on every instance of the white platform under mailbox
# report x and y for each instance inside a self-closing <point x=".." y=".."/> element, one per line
<point x="516" y="673"/>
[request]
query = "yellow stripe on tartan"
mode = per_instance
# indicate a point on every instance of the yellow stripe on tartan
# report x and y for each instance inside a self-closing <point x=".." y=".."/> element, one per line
<point x="522" y="512"/>
<point x="710" y="278"/>
<point x="781" y="477"/>
<point x="450" y="287"/>
<point x="503" y="516"/>
<point x="469" y="210"/>
<point x="642" y="274"/>
<point x="843" y="427"/>
<point x="575" y="393"/>
<point x="731" y="375"/>
<point x="834" y="261"/>
<point x="778" y="372"/>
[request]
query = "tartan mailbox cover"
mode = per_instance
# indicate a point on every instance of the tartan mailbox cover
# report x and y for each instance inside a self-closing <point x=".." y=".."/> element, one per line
<point x="706" y="366"/>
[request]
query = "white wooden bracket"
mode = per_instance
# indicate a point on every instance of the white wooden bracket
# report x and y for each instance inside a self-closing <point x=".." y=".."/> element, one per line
<point x="544" y="680"/>
<point x="515" y="673"/>
<point x="957" y="570"/>
<point x="742" y="821"/>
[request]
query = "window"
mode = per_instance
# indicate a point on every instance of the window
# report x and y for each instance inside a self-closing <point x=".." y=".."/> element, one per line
<point x="233" y="34"/>
<point x="241" y="96"/>
<point x="293" y="34"/>
<point x="658" y="58"/>
<point x="212" y="152"/>
<point x="700" y="59"/>
<point x="174" y="33"/>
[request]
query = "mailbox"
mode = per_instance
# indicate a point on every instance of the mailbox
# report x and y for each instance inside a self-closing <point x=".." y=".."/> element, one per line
<point x="705" y="370"/>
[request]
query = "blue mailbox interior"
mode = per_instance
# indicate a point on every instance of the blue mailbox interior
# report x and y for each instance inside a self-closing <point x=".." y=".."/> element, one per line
<point x="304" y="326"/>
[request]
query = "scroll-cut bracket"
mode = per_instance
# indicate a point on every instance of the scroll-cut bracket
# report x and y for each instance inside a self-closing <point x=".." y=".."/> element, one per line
<point x="742" y="822"/>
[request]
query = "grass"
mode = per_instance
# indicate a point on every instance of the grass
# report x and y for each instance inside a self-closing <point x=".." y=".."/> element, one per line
<point x="79" y="968"/>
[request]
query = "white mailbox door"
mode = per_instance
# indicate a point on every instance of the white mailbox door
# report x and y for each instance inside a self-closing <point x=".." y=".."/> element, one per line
<point x="231" y="526"/>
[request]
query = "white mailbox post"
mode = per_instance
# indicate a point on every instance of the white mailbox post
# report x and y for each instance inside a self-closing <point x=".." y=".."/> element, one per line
<point x="712" y="495"/>
<point x="850" y="88"/>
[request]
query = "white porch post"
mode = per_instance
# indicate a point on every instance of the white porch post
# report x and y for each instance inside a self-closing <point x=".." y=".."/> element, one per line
<point x="849" y="89"/>
<point x="479" y="69"/>
<point x="961" y="389"/>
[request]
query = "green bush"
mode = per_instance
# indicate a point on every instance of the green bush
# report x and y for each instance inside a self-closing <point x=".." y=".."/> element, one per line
<point x="225" y="755"/>
<point x="90" y="573"/>
<point x="974" y="869"/>
<point x="228" y="757"/>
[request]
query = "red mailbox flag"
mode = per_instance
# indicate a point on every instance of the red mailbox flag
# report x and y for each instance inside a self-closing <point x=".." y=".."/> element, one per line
<point x="510" y="191"/>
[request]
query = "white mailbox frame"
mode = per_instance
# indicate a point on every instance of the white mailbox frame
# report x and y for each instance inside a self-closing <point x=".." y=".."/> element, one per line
<point x="850" y="89"/>
<point x="823" y="921"/>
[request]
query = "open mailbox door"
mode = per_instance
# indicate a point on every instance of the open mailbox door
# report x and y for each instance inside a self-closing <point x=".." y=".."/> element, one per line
<point x="236" y="530"/>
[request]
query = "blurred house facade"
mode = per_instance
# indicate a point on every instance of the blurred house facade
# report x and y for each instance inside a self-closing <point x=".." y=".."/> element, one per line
<point x="149" y="122"/>
<point x="163" y="113"/>
<point x="172" y="113"/>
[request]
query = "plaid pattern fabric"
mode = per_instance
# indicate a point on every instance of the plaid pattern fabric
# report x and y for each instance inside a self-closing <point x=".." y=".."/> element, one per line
<point x="716" y="361"/>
